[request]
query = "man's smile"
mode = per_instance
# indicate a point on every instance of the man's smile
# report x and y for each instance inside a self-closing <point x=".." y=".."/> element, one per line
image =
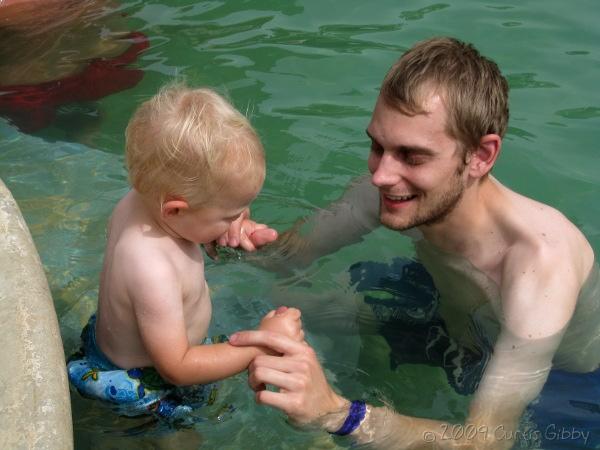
<point x="397" y="201"/>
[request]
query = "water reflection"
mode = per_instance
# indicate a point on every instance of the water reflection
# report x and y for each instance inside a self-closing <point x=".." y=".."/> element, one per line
<point x="56" y="52"/>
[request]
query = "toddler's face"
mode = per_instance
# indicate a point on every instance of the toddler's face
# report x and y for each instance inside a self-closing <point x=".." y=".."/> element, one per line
<point x="206" y="224"/>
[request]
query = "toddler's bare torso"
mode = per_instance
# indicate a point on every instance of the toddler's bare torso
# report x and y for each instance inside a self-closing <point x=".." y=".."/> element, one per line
<point x="134" y="239"/>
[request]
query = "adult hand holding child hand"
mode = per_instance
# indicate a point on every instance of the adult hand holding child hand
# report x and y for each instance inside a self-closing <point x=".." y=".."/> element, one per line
<point x="303" y="391"/>
<point x="284" y="320"/>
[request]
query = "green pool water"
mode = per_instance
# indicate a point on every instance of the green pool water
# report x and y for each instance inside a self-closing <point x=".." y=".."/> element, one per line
<point x="307" y="74"/>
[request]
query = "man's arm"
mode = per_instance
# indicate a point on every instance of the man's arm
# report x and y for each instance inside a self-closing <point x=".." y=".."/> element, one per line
<point x="343" y="223"/>
<point x="514" y="376"/>
<point x="306" y="397"/>
<point x="538" y="299"/>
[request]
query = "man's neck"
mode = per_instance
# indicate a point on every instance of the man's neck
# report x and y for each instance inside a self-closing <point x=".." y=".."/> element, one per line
<point x="471" y="224"/>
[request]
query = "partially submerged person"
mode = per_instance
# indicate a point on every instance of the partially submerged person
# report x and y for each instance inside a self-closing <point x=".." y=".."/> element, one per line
<point x="509" y="270"/>
<point x="195" y="164"/>
<point x="55" y="52"/>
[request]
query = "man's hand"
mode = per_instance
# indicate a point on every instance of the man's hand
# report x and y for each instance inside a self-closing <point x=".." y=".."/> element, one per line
<point x="284" y="320"/>
<point x="304" y="393"/>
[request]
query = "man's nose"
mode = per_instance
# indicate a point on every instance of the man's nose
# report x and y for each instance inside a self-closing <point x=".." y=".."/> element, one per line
<point x="388" y="171"/>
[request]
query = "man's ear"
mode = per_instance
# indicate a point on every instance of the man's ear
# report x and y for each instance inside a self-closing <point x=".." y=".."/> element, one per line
<point x="172" y="207"/>
<point x="483" y="158"/>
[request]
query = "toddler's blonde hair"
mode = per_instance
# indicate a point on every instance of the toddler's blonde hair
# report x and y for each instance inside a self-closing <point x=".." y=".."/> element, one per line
<point x="193" y="144"/>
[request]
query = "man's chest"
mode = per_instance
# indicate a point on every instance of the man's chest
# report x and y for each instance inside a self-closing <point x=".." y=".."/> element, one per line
<point x="465" y="292"/>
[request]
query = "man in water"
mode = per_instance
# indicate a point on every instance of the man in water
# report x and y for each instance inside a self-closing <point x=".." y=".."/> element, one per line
<point x="509" y="270"/>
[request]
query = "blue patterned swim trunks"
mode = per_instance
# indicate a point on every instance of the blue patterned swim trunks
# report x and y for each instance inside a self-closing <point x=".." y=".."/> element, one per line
<point x="133" y="392"/>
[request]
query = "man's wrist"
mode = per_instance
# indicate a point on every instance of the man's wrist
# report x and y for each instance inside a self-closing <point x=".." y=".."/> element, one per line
<point x="354" y="418"/>
<point x="335" y="417"/>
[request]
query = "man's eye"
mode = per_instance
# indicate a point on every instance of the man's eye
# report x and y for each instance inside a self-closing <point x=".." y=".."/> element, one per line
<point x="415" y="160"/>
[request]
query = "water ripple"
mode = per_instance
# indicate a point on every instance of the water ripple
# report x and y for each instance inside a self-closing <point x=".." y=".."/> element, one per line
<point x="418" y="14"/>
<point x="586" y="112"/>
<point x="527" y="80"/>
<point x="324" y="109"/>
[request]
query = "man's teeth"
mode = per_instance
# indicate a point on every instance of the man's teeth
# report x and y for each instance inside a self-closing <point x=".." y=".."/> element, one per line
<point x="400" y="198"/>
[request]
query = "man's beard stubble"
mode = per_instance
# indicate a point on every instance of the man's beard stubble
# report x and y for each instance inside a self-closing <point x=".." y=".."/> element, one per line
<point x="439" y="210"/>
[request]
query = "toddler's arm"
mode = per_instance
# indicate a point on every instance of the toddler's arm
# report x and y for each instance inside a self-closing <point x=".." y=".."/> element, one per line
<point x="160" y="319"/>
<point x="183" y="364"/>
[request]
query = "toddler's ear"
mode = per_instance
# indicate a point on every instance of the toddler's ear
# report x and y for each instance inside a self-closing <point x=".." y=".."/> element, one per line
<point x="172" y="207"/>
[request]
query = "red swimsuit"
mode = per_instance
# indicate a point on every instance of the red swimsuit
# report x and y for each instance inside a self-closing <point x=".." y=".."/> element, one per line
<point x="32" y="107"/>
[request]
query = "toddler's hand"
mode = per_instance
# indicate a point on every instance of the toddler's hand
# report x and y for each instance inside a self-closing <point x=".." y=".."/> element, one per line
<point x="243" y="233"/>
<point x="284" y="320"/>
<point x="247" y="234"/>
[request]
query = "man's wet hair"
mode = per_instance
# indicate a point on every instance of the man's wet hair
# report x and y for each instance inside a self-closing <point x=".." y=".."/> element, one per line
<point x="471" y="86"/>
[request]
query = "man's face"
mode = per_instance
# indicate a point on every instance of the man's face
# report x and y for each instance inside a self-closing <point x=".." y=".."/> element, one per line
<point x="417" y="167"/>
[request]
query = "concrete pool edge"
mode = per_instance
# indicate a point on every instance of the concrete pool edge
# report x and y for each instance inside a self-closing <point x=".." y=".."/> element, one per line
<point x="35" y="406"/>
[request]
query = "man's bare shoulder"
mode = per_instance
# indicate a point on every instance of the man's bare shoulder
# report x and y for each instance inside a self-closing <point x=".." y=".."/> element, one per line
<point x="545" y="264"/>
<point x="539" y="292"/>
<point x="544" y="234"/>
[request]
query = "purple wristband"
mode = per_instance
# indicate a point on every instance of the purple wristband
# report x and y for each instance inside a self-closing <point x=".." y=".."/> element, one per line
<point x="357" y="412"/>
